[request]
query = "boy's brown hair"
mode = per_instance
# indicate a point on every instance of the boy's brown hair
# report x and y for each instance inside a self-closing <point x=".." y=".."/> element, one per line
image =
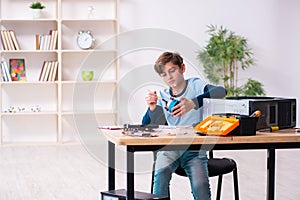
<point x="166" y="57"/>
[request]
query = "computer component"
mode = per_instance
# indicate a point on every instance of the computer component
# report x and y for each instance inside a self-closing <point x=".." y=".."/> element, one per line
<point x="275" y="111"/>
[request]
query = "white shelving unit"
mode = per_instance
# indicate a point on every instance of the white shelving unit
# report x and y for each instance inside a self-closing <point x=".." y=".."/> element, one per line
<point x="68" y="99"/>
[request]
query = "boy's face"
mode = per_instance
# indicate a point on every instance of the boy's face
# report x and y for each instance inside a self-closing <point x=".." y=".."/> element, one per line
<point x="172" y="74"/>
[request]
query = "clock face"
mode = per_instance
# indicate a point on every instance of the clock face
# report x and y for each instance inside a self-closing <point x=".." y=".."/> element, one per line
<point x="85" y="40"/>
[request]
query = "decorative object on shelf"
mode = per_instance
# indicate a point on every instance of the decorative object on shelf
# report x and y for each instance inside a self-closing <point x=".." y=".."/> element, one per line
<point x="17" y="69"/>
<point x="36" y="108"/>
<point x="17" y="109"/>
<point x="222" y="57"/>
<point x="36" y="9"/>
<point x="90" y="12"/>
<point x="85" y="40"/>
<point x="87" y="75"/>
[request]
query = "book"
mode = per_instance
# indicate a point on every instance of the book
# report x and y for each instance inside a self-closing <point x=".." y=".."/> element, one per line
<point x="14" y="40"/>
<point x="46" y="41"/>
<point x="44" y="70"/>
<point x="3" y="73"/>
<point x="37" y="42"/>
<point x="8" y="40"/>
<point x="6" y="71"/>
<point x="43" y="66"/>
<point x="53" y="39"/>
<point x="52" y="63"/>
<point x="51" y="32"/>
<point x="42" y="42"/>
<point x="4" y="41"/>
<point x="17" y="69"/>
<point x="48" y="69"/>
<point x="54" y="74"/>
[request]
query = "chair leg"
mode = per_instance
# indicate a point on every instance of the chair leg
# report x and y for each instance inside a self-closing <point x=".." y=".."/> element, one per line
<point x="152" y="181"/>
<point x="219" y="187"/>
<point x="236" y="185"/>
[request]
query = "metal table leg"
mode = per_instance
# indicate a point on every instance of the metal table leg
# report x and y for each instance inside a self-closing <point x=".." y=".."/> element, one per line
<point x="271" y="174"/>
<point x="111" y="166"/>
<point x="130" y="174"/>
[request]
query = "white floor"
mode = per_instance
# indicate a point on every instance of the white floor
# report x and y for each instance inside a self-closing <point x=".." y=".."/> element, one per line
<point x="69" y="172"/>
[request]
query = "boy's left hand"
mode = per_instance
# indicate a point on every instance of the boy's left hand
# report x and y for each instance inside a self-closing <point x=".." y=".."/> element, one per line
<point x="183" y="107"/>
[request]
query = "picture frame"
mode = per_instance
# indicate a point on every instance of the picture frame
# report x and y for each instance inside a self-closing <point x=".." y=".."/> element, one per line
<point x="17" y="69"/>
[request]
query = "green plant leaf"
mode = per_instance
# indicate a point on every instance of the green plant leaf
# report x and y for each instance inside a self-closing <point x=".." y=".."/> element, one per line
<point x="224" y="54"/>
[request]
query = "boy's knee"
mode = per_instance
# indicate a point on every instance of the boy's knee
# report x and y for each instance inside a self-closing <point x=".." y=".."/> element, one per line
<point x="163" y="172"/>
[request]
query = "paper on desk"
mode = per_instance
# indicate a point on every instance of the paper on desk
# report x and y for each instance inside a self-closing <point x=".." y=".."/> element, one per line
<point x="176" y="130"/>
<point x="111" y="127"/>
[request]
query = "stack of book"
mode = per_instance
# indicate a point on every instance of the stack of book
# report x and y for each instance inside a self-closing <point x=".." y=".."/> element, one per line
<point x="5" y="72"/>
<point x="46" y="42"/>
<point x="9" y="40"/>
<point x="49" y="71"/>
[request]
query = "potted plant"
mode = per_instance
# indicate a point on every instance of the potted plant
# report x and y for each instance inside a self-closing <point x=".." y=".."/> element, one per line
<point x="36" y="8"/>
<point x="223" y="56"/>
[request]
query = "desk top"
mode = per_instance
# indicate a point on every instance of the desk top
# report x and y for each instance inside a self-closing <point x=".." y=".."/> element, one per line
<point x="165" y="138"/>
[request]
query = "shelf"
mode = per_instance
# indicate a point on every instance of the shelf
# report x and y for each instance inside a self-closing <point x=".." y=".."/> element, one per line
<point x="22" y="20"/>
<point x="88" y="51"/>
<point x="29" y="51"/>
<point x="97" y="112"/>
<point x="29" y="83"/>
<point x="28" y="113"/>
<point x="67" y="98"/>
<point x="88" y="20"/>
<point x="112" y="82"/>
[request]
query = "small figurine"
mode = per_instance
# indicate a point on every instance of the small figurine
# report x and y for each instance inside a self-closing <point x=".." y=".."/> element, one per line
<point x="90" y="12"/>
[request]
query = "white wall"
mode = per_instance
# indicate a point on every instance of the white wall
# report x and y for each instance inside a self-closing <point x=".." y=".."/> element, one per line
<point x="271" y="26"/>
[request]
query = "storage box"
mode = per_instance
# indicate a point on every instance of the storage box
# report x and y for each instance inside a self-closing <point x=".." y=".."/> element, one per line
<point x="121" y="195"/>
<point x="247" y="125"/>
<point x="227" y="124"/>
<point x="217" y="125"/>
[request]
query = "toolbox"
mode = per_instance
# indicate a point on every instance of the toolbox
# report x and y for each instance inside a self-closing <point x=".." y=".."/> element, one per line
<point x="227" y="123"/>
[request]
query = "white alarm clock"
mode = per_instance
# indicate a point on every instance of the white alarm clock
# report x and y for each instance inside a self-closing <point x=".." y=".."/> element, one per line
<point x="85" y="40"/>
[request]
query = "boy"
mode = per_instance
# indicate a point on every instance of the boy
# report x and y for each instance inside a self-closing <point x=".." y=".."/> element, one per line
<point x="190" y="92"/>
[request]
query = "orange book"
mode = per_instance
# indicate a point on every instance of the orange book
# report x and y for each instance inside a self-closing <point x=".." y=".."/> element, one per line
<point x="37" y="42"/>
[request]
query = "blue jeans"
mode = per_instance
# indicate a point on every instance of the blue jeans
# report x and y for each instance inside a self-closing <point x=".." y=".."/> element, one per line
<point x="195" y="165"/>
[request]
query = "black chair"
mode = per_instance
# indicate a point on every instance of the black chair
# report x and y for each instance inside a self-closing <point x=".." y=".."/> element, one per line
<point x="216" y="167"/>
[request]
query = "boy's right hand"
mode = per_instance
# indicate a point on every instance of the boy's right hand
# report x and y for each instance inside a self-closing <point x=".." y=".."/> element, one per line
<point x="151" y="100"/>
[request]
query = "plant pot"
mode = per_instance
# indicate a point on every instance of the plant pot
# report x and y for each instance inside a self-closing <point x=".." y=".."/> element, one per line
<point x="36" y="13"/>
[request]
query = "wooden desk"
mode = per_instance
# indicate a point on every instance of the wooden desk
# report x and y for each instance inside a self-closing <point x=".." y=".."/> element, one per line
<point x="282" y="139"/>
